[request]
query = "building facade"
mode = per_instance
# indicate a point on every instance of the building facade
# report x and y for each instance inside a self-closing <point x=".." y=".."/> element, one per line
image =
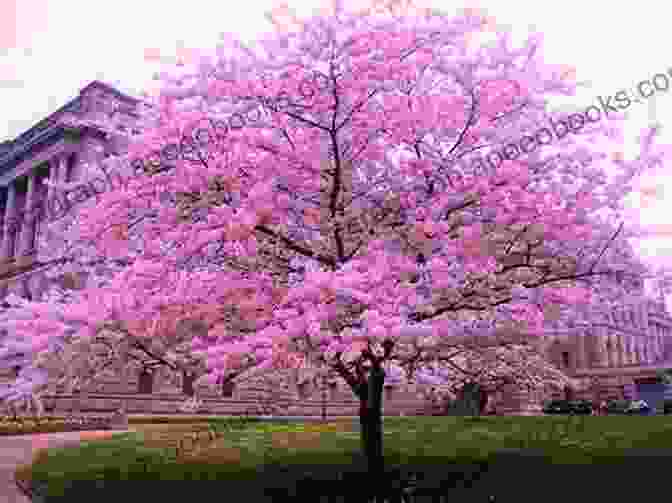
<point x="614" y="359"/>
<point x="608" y="361"/>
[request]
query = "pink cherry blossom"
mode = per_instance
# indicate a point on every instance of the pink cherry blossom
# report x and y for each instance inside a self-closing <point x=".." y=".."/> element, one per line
<point x="347" y="232"/>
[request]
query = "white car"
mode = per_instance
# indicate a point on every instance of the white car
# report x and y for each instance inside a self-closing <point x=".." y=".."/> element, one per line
<point x="638" y="406"/>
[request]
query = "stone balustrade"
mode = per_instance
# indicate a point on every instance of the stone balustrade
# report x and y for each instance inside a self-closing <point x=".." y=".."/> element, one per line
<point x="170" y="404"/>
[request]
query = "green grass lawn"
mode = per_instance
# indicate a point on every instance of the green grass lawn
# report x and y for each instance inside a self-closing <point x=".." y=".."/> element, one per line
<point x="591" y="453"/>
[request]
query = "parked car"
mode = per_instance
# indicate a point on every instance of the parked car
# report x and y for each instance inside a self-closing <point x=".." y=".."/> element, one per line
<point x="618" y="406"/>
<point x="639" y="407"/>
<point x="581" y="407"/>
<point x="556" y="407"/>
<point x="630" y="407"/>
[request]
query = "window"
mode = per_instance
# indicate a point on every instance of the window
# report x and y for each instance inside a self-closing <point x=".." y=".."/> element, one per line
<point x="188" y="379"/>
<point x="565" y="359"/>
<point x="145" y="382"/>
<point x="227" y="388"/>
<point x="303" y="389"/>
<point x="569" y="392"/>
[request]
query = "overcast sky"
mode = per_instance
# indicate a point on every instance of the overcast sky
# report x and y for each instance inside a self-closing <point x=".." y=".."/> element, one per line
<point x="49" y="49"/>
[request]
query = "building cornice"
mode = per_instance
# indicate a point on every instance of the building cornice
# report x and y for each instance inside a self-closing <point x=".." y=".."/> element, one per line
<point x="44" y="139"/>
<point x="50" y="127"/>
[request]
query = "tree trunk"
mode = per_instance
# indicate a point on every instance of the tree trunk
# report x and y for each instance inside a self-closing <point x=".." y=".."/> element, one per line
<point x="370" y="420"/>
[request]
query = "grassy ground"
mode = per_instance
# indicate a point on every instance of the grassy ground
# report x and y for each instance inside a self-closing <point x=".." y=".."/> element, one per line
<point x="170" y="451"/>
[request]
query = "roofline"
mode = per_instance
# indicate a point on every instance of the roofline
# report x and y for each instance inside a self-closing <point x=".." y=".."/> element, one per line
<point x="70" y="104"/>
<point x="98" y="84"/>
<point x="28" y="137"/>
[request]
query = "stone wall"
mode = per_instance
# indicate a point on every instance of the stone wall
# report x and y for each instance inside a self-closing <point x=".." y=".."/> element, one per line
<point x="170" y="403"/>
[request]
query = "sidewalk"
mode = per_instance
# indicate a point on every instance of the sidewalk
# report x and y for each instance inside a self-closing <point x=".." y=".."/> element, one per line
<point x="19" y="449"/>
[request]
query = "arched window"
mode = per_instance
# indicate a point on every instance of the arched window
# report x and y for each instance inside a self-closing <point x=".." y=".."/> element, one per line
<point x="333" y="390"/>
<point x="227" y="388"/>
<point x="565" y="359"/>
<point x="569" y="393"/>
<point x="188" y="379"/>
<point x="302" y="389"/>
<point x="145" y="381"/>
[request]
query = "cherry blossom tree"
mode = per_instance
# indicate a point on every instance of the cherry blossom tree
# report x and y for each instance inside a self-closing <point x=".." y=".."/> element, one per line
<point x="492" y="369"/>
<point x="348" y="228"/>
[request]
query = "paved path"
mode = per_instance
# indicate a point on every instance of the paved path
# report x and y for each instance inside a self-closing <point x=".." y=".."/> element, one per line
<point x="19" y="449"/>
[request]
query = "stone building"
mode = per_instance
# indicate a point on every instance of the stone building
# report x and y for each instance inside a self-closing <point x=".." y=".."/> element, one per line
<point x="56" y="150"/>
<point x="615" y="359"/>
<point x="611" y="361"/>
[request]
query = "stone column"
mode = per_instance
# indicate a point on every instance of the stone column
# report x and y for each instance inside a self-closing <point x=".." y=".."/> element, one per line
<point x="647" y="350"/>
<point x="27" y="241"/>
<point x="613" y="338"/>
<point x="63" y="168"/>
<point x="3" y="219"/>
<point x="10" y="216"/>
<point x="605" y="351"/>
<point x="581" y="351"/>
<point x="640" y="355"/>
<point x="620" y="357"/>
<point x="53" y="176"/>
<point x="654" y="346"/>
<point x="640" y="316"/>
<point x="627" y="350"/>
<point x="608" y="357"/>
